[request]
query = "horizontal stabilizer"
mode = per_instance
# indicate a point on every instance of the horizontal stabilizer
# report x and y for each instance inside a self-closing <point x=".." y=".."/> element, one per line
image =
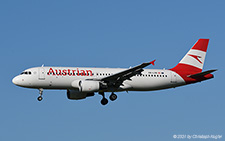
<point x="201" y="74"/>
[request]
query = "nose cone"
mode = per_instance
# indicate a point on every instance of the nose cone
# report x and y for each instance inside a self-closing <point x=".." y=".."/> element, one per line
<point x="15" y="80"/>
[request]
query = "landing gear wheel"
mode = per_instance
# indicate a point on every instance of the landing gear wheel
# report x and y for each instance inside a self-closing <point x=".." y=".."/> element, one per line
<point x="40" y="92"/>
<point x="104" y="101"/>
<point x="113" y="97"/>
<point x="39" y="98"/>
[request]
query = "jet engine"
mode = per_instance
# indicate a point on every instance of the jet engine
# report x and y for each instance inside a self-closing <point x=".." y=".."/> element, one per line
<point x="76" y="95"/>
<point x="86" y="85"/>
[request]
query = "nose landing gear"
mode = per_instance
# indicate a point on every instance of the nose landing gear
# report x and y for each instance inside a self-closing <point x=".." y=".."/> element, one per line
<point x="40" y="92"/>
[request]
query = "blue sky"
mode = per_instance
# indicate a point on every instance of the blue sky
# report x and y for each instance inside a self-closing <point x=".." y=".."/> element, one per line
<point x="110" y="34"/>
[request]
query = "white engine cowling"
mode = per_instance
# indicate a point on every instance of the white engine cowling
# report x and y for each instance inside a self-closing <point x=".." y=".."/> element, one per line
<point x="86" y="85"/>
<point x="76" y="95"/>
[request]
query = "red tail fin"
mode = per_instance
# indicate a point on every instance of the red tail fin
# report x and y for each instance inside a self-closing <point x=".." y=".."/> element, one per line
<point x="193" y="61"/>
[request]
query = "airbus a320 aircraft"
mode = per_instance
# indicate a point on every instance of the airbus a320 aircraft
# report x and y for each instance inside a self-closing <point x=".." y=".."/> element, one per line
<point x="84" y="82"/>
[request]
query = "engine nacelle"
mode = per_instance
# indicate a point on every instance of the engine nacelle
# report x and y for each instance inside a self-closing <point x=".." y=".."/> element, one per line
<point x="76" y="95"/>
<point x="86" y="85"/>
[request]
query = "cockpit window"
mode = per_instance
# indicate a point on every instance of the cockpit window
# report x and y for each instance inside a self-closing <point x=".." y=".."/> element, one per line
<point x="26" y="73"/>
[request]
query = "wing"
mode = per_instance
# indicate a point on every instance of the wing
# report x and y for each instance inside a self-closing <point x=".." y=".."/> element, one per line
<point x="117" y="79"/>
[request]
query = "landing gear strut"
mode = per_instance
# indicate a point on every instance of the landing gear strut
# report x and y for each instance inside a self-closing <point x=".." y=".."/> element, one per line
<point x="40" y="92"/>
<point x="113" y="97"/>
<point x="104" y="101"/>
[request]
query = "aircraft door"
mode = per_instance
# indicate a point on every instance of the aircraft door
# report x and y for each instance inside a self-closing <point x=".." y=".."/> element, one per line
<point x="173" y="77"/>
<point x="41" y="73"/>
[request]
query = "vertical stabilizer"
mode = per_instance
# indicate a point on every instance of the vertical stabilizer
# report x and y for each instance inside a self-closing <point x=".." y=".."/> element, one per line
<point x="193" y="61"/>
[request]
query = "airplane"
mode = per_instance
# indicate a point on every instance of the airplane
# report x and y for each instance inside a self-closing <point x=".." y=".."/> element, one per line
<point x="82" y="82"/>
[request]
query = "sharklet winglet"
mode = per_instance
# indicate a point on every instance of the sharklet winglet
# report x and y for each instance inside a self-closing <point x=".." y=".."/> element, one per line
<point x="152" y="62"/>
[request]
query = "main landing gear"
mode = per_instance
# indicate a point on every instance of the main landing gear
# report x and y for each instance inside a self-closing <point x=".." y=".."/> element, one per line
<point x="40" y="92"/>
<point x="113" y="97"/>
<point x="104" y="100"/>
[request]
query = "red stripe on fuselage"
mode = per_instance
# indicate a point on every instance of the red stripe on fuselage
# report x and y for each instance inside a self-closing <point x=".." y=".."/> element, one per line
<point x="185" y="70"/>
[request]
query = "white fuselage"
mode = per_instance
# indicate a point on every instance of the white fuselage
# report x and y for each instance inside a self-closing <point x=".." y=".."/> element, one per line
<point x="62" y="78"/>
